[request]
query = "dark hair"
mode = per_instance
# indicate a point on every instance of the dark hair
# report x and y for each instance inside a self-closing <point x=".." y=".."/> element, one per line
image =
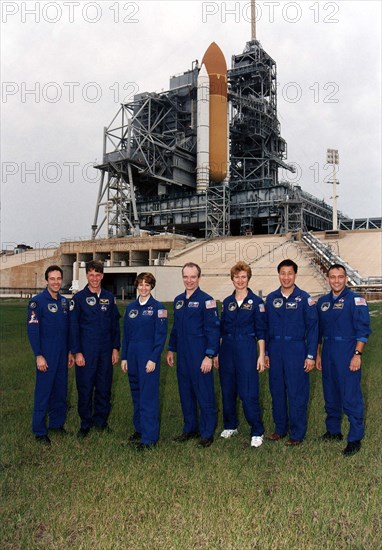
<point x="191" y="264"/>
<point x="337" y="266"/>
<point x="287" y="263"/>
<point x="94" y="265"/>
<point x="53" y="268"/>
<point x="241" y="266"/>
<point x="145" y="277"/>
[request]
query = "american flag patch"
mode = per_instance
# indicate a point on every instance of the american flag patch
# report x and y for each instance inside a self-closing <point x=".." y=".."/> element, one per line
<point x="360" y="301"/>
<point x="210" y="304"/>
<point x="262" y="308"/>
<point x="162" y="313"/>
<point x="311" y="302"/>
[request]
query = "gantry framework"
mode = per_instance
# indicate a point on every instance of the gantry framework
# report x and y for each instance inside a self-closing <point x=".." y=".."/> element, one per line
<point x="148" y="172"/>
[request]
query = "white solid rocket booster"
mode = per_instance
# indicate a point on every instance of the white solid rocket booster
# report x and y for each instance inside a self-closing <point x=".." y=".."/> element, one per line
<point x="203" y="131"/>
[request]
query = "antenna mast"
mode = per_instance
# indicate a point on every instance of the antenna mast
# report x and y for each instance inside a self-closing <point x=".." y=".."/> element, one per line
<point x="253" y="19"/>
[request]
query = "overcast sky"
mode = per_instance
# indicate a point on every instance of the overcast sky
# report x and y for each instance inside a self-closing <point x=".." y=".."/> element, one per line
<point x="66" y="67"/>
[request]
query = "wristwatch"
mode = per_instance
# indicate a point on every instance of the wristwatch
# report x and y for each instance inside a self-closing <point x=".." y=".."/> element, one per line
<point x="210" y="356"/>
<point x="357" y="352"/>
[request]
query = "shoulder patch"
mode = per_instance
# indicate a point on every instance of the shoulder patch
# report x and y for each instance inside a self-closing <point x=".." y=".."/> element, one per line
<point x="262" y="308"/>
<point x="71" y="305"/>
<point x="311" y="302"/>
<point x="33" y="319"/>
<point x="162" y="313"/>
<point x="32" y="305"/>
<point x="210" y="304"/>
<point x="360" y="301"/>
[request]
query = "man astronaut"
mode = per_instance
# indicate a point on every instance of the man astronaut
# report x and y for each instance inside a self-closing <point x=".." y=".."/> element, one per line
<point x="195" y="339"/>
<point x="48" y="333"/>
<point x="95" y="343"/>
<point x="344" y="323"/>
<point x="292" y="345"/>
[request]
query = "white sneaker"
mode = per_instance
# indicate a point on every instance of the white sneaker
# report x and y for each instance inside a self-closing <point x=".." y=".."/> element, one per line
<point x="257" y="440"/>
<point x="228" y="433"/>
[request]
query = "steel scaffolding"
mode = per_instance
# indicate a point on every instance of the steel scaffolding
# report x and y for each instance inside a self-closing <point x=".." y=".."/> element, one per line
<point x="148" y="171"/>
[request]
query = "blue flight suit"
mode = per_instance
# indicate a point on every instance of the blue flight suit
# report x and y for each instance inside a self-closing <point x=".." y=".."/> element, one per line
<point x="94" y="332"/>
<point x="240" y="328"/>
<point x="48" y="333"/>
<point x="292" y="337"/>
<point x="195" y="334"/>
<point x="144" y="337"/>
<point x="343" y="320"/>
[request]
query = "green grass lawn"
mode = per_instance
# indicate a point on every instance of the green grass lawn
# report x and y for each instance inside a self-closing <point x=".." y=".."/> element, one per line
<point x="99" y="493"/>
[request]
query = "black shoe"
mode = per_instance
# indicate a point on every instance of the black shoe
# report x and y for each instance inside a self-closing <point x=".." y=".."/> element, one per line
<point x="351" y="448"/>
<point x="136" y="436"/>
<point x="60" y="431"/>
<point x="185" y="436"/>
<point x="144" y="447"/>
<point x="205" y="441"/>
<point x="43" y="439"/>
<point x="83" y="432"/>
<point x="331" y="437"/>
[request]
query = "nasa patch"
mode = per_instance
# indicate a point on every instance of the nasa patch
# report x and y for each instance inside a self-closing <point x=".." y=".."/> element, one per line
<point x="179" y="304"/>
<point x="53" y="308"/>
<point x="133" y="313"/>
<point x="33" y="319"/>
<point x="325" y="306"/>
<point x="71" y="305"/>
<point x="277" y="302"/>
<point x="91" y="301"/>
<point x="33" y="305"/>
<point x="232" y="306"/>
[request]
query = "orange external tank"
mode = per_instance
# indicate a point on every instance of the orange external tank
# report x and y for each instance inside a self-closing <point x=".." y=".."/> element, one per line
<point x="216" y="66"/>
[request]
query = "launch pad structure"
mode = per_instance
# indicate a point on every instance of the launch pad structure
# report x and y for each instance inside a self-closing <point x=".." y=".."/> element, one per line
<point x="149" y="167"/>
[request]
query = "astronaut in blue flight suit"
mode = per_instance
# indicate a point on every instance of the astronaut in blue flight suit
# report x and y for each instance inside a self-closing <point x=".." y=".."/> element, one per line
<point x="95" y="342"/>
<point x="144" y="336"/>
<point x="344" y="323"/>
<point x="292" y="338"/>
<point x="48" y="333"/>
<point x="242" y="326"/>
<point x="195" y="339"/>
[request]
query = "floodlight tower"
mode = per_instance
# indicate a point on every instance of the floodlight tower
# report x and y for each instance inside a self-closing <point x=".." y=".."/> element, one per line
<point x="332" y="157"/>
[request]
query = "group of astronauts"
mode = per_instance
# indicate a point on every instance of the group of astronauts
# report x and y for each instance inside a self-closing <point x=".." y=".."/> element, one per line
<point x="285" y="335"/>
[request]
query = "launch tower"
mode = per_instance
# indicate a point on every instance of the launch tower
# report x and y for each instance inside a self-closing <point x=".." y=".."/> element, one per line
<point x="154" y="172"/>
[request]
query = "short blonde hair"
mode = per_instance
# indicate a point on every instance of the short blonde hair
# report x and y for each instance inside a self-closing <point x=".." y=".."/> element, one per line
<point x="241" y="266"/>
